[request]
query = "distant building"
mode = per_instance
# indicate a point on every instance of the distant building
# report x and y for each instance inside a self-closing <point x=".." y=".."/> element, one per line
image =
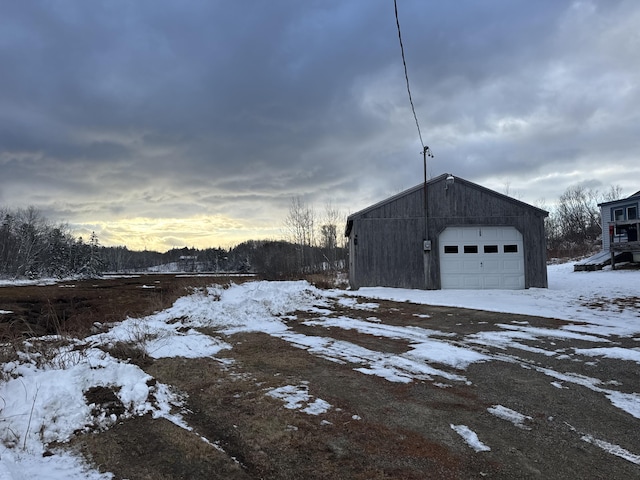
<point x="620" y="227"/>
<point x="187" y="263"/>
<point x="463" y="236"/>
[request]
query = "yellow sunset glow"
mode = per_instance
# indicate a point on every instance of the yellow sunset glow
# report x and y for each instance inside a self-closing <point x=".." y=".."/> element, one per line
<point x="162" y="234"/>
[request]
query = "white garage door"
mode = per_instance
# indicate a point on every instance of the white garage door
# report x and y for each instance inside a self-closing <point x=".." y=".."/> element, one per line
<point x="481" y="257"/>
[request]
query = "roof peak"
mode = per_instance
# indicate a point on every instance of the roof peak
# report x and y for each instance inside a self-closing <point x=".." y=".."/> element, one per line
<point x="439" y="178"/>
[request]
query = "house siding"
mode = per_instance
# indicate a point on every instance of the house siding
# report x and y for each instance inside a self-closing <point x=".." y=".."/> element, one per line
<point x="605" y="213"/>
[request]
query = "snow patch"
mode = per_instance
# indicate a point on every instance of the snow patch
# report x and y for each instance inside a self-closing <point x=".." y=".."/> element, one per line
<point x="355" y="305"/>
<point x="295" y="397"/>
<point x="517" y="418"/>
<point x="619" y="353"/>
<point x="613" y="449"/>
<point x="470" y="437"/>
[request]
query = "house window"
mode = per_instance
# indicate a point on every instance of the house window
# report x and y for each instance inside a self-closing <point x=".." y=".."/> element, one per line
<point x="450" y="249"/>
<point x="618" y="214"/>
<point x="470" y="249"/>
<point x="632" y="213"/>
<point x="510" y="249"/>
<point x="491" y="249"/>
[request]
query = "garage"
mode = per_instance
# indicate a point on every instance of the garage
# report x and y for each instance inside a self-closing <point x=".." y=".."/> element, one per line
<point x="448" y="233"/>
<point x="482" y="257"/>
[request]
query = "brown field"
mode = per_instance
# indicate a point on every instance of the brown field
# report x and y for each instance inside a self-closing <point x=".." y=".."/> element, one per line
<point x="376" y="429"/>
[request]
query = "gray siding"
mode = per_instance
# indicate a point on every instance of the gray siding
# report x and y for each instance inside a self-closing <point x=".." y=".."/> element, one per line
<point x="607" y="217"/>
<point x="387" y="252"/>
<point x="605" y="213"/>
<point x="385" y="244"/>
<point x="390" y="234"/>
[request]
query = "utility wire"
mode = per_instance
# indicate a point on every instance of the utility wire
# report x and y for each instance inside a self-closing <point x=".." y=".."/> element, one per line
<point x="406" y="75"/>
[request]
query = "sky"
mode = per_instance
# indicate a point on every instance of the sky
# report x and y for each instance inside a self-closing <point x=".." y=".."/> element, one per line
<point x="161" y="124"/>
<point x="46" y="403"/>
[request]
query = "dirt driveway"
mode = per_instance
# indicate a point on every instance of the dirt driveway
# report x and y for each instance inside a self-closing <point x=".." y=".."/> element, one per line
<point x="538" y="408"/>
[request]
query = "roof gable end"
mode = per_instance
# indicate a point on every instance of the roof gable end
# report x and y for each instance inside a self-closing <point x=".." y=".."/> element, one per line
<point x="635" y="196"/>
<point x="437" y="180"/>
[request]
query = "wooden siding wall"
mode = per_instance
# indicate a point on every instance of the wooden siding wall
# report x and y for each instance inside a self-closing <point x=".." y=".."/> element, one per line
<point x="389" y="250"/>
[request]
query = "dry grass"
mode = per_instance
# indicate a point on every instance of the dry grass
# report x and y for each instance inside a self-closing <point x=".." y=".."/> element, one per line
<point x="74" y="308"/>
<point x="130" y="352"/>
<point x="8" y="353"/>
<point x="77" y="309"/>
<point x="327" y="280"/>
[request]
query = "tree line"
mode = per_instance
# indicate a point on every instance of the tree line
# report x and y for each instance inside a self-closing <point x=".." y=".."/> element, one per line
<point x="33" y="247"/>
<point x="574" y="225"/>
<point x="312" y="242"/>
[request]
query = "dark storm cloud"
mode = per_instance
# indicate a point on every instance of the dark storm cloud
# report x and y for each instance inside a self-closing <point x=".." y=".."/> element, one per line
<point x="172" y="109"/>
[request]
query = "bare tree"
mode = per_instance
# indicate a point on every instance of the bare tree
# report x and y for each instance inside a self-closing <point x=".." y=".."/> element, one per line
<point x="331" y="247"/>
<point x="117" y="259"/>
<point x="574" y="226"/>
<point x="300" y="230"/>
<point x="31" y="231"/>
<point x="614" y="193"/>
<point x="579" y="214"/>
<point x="509" y="193"/>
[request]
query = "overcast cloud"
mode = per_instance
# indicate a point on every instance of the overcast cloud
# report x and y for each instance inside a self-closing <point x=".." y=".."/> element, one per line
<point x="193" y="123"/>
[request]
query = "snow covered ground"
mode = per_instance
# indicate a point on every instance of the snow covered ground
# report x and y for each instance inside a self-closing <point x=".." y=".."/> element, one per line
<point x="44" y="397"/>
<point x="564" y="299"/>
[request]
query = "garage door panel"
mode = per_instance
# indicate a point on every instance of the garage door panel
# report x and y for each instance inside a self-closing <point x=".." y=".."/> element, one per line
<point x="471" y="266"/>
<point x="491" y="265"/>
<point x="512" y="266"/>
<point x="453" y="282"/>
<point x="492" y="282"/>
<point x="515" y="282"/>
<point x="490" y="234"/>
<point x="471" y="282"/>
<point x="454" y="266"/>
<point x="481" y="257"/>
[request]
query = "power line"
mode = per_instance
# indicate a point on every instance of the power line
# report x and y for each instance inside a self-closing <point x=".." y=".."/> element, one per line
<point x="425" y="150"/>
<point x="406" y="76"/>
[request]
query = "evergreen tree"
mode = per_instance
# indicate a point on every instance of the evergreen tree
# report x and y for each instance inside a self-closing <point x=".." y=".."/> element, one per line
<point x="58" y="254"/>
<point x="94" y="264"/>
